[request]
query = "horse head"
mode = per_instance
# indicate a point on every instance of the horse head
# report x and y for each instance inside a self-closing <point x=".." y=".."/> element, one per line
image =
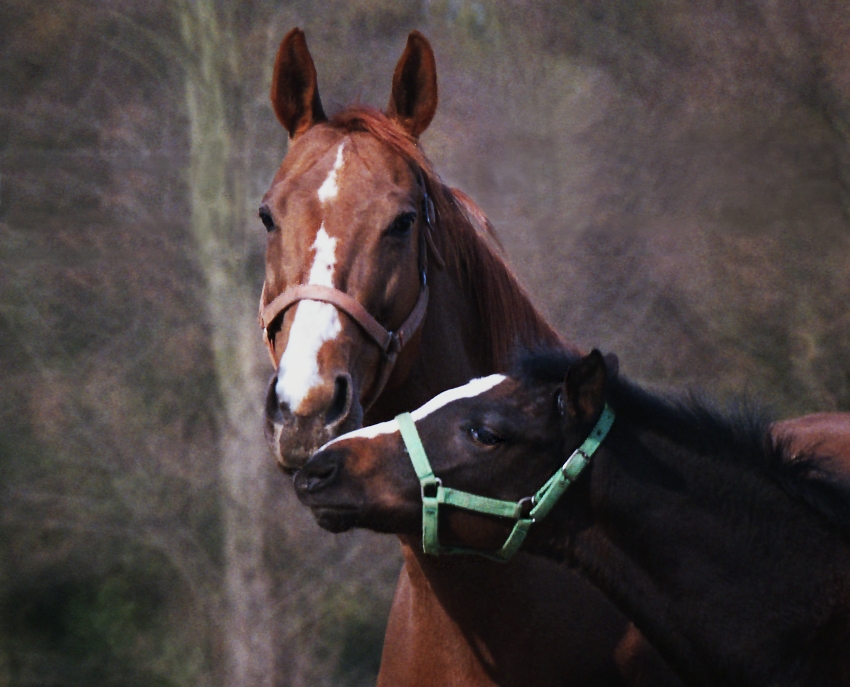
<point x="347" y="217"/>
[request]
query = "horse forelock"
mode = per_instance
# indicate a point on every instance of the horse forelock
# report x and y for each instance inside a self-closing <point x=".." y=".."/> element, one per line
<point x="462" y="236"/>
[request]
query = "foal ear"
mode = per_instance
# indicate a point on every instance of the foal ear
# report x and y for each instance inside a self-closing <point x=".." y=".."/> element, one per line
<point x="295" y="89"/>
<point x="612" y="365"/>
<point x="413" y="100"/>
<point x="585" y="387"/>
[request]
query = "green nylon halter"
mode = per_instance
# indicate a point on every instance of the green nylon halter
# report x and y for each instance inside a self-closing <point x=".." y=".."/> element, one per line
<point x="539" y="505"/>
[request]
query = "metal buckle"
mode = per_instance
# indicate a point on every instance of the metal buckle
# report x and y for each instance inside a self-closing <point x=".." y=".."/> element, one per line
<point x="569" y="460"/>
<point x="437" y="483"/>
<point x="394" y="345"/>
<point x="430" y="214"/>
<point x="525" y="506"/>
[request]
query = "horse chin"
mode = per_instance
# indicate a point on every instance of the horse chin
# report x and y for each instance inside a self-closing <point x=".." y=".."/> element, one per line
<point x="336" y="519"/>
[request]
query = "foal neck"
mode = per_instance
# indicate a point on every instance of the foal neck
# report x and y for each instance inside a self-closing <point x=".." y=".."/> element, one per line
<point x="734" y="580"/>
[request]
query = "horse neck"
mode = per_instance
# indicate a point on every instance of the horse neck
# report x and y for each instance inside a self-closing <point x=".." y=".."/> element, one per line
<point x="462" y="337"/>
<point x="733" y="580"/>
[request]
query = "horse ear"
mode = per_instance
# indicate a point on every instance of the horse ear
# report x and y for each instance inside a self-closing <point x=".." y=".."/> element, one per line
<point x="585" y="387"/>
<point x="295" y="89"/>
<point x="413" y="100"/>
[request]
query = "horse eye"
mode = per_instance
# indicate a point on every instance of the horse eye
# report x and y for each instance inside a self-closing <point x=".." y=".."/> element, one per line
<point x="266" y="218"/>
<point x="401" y="225"/>
<point x="484" y="436"/>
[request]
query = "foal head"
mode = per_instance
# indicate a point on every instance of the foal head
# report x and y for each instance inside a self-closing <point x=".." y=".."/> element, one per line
<point x="498" y="437"/>
<point x="346" y="216"/>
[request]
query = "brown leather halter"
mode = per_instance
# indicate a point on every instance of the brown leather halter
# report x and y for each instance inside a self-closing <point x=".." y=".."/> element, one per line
<point x="390" y="343"/>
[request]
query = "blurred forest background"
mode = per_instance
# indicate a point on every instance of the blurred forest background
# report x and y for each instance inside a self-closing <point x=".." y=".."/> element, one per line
<point x="669" y="177"/>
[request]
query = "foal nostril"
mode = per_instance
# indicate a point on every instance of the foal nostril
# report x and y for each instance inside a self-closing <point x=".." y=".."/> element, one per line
<point x="319" y="472"/>
<point x="341" y="402"/>
<point x="321" y="477"/>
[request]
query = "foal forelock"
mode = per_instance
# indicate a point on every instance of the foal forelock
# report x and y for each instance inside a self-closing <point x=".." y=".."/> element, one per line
<point x="314" y="323"/>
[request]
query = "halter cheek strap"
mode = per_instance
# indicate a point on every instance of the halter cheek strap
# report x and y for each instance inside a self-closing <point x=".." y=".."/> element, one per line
<point x="389" y="342"/>
<point x="526" y="511"/>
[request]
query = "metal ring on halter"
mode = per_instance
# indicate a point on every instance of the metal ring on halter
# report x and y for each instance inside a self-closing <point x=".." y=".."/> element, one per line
<point x="524" y="506"/>
<point x="436" y="483"/>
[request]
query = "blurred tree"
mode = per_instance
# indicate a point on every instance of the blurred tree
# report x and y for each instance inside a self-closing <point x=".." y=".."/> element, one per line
<point x="669" y="176"/>
<point x="217" y="187"/>
<point x="108" y="522"/>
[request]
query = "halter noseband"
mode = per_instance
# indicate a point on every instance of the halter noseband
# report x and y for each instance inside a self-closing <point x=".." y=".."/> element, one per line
<point x="526" y="511"/>
<point x="389" y="342"/>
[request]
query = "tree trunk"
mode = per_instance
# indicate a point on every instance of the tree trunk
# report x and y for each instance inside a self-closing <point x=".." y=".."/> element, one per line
<point x="218" y="200"/>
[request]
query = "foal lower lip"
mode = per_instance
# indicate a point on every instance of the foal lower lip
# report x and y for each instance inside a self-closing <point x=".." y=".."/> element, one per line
<point x="334" y="509"/>
<point x="335" y="518"/>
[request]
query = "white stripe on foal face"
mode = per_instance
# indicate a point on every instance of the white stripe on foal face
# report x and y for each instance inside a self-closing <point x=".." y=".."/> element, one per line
<point x="469" y="390"/>
<point x="314" y="322"/>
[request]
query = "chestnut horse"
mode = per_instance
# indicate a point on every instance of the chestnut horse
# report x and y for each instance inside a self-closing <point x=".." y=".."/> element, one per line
<point x="379" y="293"/>
<point x="728" y="548"/>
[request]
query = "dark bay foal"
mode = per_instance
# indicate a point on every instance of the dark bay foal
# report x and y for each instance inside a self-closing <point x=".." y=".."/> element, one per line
<point x="730" y="555"/>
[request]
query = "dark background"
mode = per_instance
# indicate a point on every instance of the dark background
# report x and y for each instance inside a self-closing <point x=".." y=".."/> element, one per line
<point x="670" y="180"/>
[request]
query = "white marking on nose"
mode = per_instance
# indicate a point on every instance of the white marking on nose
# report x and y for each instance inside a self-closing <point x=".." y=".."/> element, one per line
<point x="314" y="322"/>
<point x="278" y="430"/>
<point x="313" y="325"/>
<point x="469" y="390"/>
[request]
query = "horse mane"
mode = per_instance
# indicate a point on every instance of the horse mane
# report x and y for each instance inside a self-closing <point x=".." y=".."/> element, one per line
<point x="739" y="432"/>
<point x="506" y="317"/>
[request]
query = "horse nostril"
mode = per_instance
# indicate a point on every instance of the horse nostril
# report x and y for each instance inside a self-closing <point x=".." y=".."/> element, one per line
<point x="273" y="405"/>
<point x="341" y="403"/>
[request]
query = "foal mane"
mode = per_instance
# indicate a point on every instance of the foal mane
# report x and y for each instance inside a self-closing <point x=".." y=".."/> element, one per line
<point x="741" y="432"/>
<point x="506" y="316"/>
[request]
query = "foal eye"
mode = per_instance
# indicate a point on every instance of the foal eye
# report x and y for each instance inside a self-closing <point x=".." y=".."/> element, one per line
<point x="266" y="218"/>
<point x="484" y="436"/>
<point x="401" y="225"/>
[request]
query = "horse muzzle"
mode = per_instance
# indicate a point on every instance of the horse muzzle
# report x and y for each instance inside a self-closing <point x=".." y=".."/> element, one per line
<point x="294" y="437"/>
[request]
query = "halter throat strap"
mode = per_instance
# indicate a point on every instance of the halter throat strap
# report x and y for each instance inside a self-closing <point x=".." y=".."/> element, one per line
<point x="526" y="511"/>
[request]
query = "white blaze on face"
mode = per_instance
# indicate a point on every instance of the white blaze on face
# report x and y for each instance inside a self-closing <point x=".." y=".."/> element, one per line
<point x="314" y="322"/>
<point x="474" y="388"/>
<point x="328" y="190"/>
